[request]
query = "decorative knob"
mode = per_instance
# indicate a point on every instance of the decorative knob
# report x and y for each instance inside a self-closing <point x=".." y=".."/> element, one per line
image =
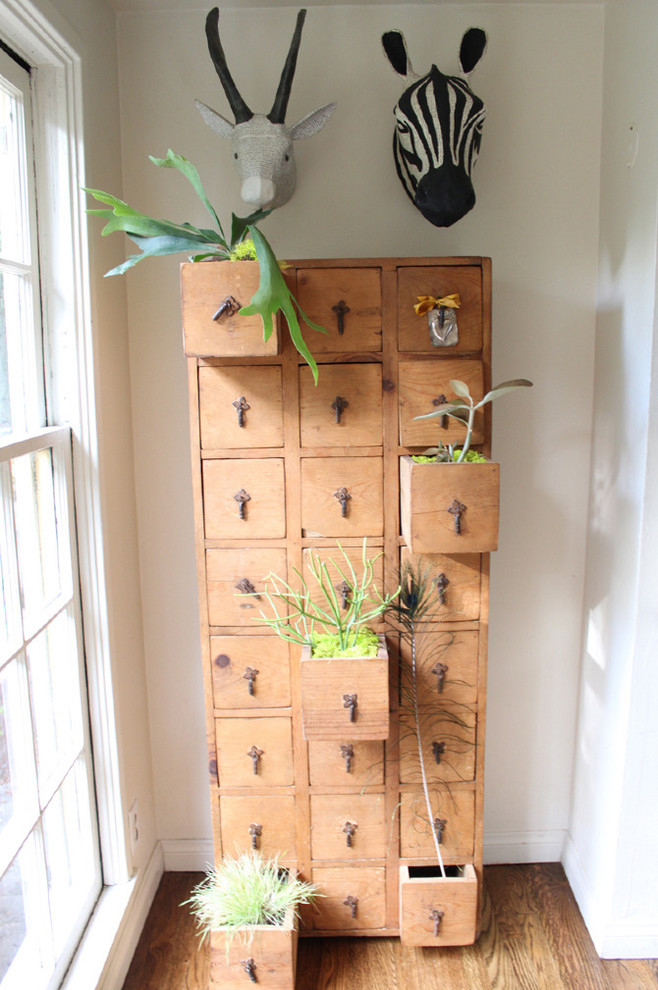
<point x="246" y="587"/>
<point x="347" y="752"/>
<point x="241" y="405"/>
<point x="352" y="903"/>
<point x="343" y="497"/>
<point x="249" y="966"/>
<point x="341" y="309"/>
<point x="437" y="917"/>
<point x="349" y="828"/>
<point x="441" y="401"/>
<point x="255" y="831"/>
<point x="439" y="826"/>
<point x="242" y="497"/>
<point x="250" y="676"/>
<point x="229" y="307"/>
<point x="457" y="508"/>
<point x="343" y="590"/>
<point x="441" y="583"/>
<point x="438" y="749"/>
<point x="350" y="701"/>
<point x="338" y="405"/>
<point x="440" y="669"/>
<point x="255" y="753"/>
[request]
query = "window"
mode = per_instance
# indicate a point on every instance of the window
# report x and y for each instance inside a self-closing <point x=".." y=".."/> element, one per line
<point x="50" y="873"/>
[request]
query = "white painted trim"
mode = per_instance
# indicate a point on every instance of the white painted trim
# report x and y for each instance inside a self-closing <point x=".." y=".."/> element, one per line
<point x="187" y="855"/>
<point x="108" y="945"/>
<point x="532" y="846"/>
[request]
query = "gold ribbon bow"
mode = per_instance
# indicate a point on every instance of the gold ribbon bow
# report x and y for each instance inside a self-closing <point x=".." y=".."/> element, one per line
<point x="426" y="303"/>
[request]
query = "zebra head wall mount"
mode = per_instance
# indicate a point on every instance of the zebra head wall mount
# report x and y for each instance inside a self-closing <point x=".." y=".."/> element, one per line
<point x="262" y="145"/>
<point x="439" y="122"/>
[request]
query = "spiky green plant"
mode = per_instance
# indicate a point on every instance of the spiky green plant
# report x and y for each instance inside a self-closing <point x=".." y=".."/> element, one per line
<point x="463" y="409"/>
<point x="162" y="237"/>
<point x="298" y="619"/>
<point x="247" y="890"/>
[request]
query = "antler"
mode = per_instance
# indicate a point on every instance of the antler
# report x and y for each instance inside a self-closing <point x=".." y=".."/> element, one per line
<point x="240" y="109"/>
<point x="277" y="114"/>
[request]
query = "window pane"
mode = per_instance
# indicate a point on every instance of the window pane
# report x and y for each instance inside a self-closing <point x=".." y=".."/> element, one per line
<point x="13" y="243"/>
<point x="20" y="385"/>
<point x="18" y="806"/>
<point x="25" y="946"/>
<point x="38" y="546"/>
<point x="54" y="672"/>
<point x="10" y="613"/>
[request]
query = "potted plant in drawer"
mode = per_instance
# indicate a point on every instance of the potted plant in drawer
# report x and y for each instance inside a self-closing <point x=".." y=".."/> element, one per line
<point x="438" y="902"/>
<point x="449" y="496"/>
<point x="344" y="663"/>
<point x="248" y="907"/>
<point x="217" y="319"/>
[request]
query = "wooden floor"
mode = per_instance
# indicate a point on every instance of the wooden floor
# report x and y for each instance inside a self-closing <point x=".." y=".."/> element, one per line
<point x="533" y="939"/>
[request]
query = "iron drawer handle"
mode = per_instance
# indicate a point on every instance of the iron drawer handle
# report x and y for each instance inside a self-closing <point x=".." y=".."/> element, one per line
<point x="349" y="828"/>
<point x="255" y="753"/>
<point x="242" y="497"/>
<point x="456" y="509"/>
<point x="241" y="406"/>
<point x="339" y="405"/>
<point x="351" y="701"/>
<point x="255" y="831"/>
<point x="228" y="307"/>
<point x="249" y="966"/>
<point x="437" y="917"/>
<point x="441" y="583"/>
<point x="250" y="676"/>
<point x="341" y="309"/>
<point x="440" y="669"/>
<point x="343" y="497"/>
<point x="351" y="902"/>
<point x="347" y="753"/>
<point x="439" y="825"/>
<point x="438" y="749"/>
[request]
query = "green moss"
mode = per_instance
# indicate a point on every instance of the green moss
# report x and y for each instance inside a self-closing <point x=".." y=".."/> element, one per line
<point x="244" y="251"/>
<point x="472" y="457"/>
<point x="366" y="644"/>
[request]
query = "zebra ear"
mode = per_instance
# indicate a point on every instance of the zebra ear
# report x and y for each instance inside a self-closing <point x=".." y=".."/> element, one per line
<point x="472" y="49"/>
<point x="395" y="48"/>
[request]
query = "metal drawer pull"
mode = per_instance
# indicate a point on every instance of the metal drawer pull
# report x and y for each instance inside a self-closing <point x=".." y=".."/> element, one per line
<point x="352" y="903"/>
<point x="439" y="827"/>
<point x="351" y="701"/>
<point x="249" y="966"/>
<point x="347" y="753"/>
<point x="440" y="669"/>
<point x="341" y="309"/>
<point x="229" y="307"/>
<point x="457" y="508"/>
<point x="441" y="583"/>
<point x="246" y="587"/>
<point x="241" y="405"/>
<point x="437" y="917"/>
<point x="343" y="497"/>
<point x="250" y="676"/>
<point x="242" y="497"/>
<point x="255" y="831"/>
<point x="441" y="401"/>
<point x="255" y="753"/>
<point x="343" y="590"/>
<point x="349" y="828"/>
<point x="438" y="749"/>
<point x="338" y="405"/>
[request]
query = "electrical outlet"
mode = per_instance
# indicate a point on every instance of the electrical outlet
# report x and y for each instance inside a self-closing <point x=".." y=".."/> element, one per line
<point x="133" y="826"/>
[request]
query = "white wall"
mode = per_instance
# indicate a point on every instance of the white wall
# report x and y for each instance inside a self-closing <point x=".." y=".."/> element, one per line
<point x="612" y="859"/>
<point x="536" y="216"/>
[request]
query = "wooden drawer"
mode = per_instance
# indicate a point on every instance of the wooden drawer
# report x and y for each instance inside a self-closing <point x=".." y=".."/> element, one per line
<point x="337" y="819"/>
<point x="323" y="481"/>
<point x="338" y="568"/>
<point x="446" y="671"/>
<point x="272" y="949"/>
<point x="204" y="287"/>
<point x="344" y="409"/>
<point x="439" y="281"/>
<point x="231" y="396"/>
<point x="436" y="910"/>
<point x="448" y="733"/>
<point x="332" y="763"/>
<point x="250" y="672"/>
<point x="259" y="479"/>
<point x="266" y="819"/>
<point x="421" y="384"/>
<point x="227" y="571"/>
<point x="358" y="290"/>
<point x="455" y="809"/>
<point x="254" y="752"/>
<point x="327" y="686"/>
<point x="457" y="579"/>
<point x="342" y="887"/>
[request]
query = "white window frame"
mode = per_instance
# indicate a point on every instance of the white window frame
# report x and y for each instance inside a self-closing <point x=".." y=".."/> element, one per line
<point x="58" y="139"/>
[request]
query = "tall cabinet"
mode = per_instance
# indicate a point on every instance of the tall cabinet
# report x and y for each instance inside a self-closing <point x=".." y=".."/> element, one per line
<point x="271" y="454"/>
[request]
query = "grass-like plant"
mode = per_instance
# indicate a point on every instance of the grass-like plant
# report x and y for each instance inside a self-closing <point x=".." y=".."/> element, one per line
<point x="463" y="409"/>
<point x="162" y="237"/>
<point x="339" y="625"/>
<point x="247" y="890"/>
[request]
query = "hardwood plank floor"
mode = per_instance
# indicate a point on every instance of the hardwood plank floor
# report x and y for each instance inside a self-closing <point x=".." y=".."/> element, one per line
<point x="533" y="938"/>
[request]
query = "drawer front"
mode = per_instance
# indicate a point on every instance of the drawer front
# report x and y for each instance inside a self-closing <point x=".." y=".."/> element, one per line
<point x="240" y="407"/>
<point x="250" y="672"/>
<point x="204" y="288"/>
<point x="438" y="281"/>
<point x="448" y="734"/>
<point x="445" y="672"/>
<point x="345" y="407"/>
<point x="348" y="826"/>
<point x="254" y="752"/>
<point x="356" y="295"/>
<point x="437" y="911"/>
<point x="345" y="696"/>
<point x="244" y="499"/>
<point x="342" y="496"/>
<point x="354" y="898"/>
<point x="454" y="812"/>
<point x="422" y="383"/>
<point x="457" y="582"/>
<point x="350" y="761"/>
<point x="264" y="822"/>
<point x="338" y="568"/>
<point x="230" y="571"/>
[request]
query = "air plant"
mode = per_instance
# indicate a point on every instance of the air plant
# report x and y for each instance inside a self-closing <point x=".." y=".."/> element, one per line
<point x="162" y="237"/>
<point x="463" y="409"/>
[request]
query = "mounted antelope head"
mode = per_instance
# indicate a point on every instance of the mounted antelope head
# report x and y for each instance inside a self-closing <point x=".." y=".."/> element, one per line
<point x="262" y="146"/>
<point x="439" y="122"/>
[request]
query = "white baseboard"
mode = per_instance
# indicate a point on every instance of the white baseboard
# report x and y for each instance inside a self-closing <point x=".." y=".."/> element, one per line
<point x="613" y="939"/>
<point x="533" y="846"/>
<point x="183" y="855"/>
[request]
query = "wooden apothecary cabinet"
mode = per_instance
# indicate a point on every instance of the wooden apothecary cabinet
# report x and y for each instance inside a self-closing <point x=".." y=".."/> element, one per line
<point x="282" y="467"/>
